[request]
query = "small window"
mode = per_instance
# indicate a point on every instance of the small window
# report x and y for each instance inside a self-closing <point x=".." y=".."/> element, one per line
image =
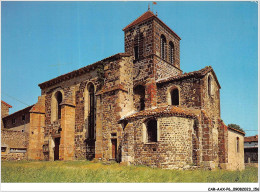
<point x="3" y="149"/>
<point x="152" y="131"/>
<point x="238" y="145"/>
<point x="209" y="86"/>
<point x="17" y="150"/>
<point x="136" y="49"/>
<point x="23" y="117"/>
<point x="175" y="97"/>
<point x="13" y="121"/>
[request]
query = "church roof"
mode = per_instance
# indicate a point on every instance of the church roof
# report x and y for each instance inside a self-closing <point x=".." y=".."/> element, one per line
<point x="165" y="111"/>
<point x="148" y="15"/>
<point x="80" y="71"/>
<point x="22" y="111"/>
<point x="199" y="73"/>
<point x="239" y="131"/>
<point x="10" y="106"/>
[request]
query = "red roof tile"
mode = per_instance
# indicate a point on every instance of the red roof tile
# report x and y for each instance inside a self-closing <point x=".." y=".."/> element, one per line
<point x="147" y="15"/>
<point x="143" y="17"/>
<point x="10" y="106"/>
<point x="165" y="111"/>
<point x="251" y="139"/>
<point x="199" y="73"/>
<point x="242" y="132"/>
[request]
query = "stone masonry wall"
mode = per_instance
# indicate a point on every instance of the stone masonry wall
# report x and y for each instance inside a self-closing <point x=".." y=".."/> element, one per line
<point x="19" y="122"/>
<point x="116" y="103"/>
<point x="173" y="149"/>
<point x="74" y="91"/>
<point x="211" y="104"/>
<point x="189" y="92"/>
<point x="4" y="112"/>
<point x="162" y="30"/>
<point x="141" y="35"/>
<point x="164" y="69"/>
<point x="14" y="140"/>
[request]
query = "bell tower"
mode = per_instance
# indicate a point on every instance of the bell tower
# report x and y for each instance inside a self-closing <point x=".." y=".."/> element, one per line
<point x="156" y="51"/>
<point x="148" y="35"/>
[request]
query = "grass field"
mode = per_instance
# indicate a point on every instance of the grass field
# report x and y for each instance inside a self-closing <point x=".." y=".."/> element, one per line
<point x="90" y="172"/>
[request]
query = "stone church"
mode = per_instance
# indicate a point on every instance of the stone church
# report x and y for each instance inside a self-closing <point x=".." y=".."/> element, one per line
<point x="136" y="107"/>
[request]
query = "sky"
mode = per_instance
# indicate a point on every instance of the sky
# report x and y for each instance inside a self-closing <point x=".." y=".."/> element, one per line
<point x="42" y="40"/>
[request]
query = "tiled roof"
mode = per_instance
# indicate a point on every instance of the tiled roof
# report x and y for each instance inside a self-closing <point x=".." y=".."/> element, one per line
<point x="239" y="131"/>
<point x="147" y="15"/>
<point x="10" y="106"/>
<point x="251" y="139"/>
<point x="165" y="111"/>
<point x="199" y="73"/>
<point x="22" y="110"/>
<point x="109" y="89"/>
<point x="143" y="17"/>
<point x="80" y="71"/>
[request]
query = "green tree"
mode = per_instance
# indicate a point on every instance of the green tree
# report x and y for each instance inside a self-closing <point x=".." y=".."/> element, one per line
<point x="235" y="126"/>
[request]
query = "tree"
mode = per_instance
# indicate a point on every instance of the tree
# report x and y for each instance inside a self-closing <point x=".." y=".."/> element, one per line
<point x="235" y="126"/>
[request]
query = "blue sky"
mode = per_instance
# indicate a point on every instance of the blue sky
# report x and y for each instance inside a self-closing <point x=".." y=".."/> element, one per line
<point x="42" y="40"/>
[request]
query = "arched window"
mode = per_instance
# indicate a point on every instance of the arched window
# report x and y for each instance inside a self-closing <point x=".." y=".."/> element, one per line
<point x="59" y="100"/>
<point x="152" y="131"/>
<point x="237" y="144"/>
<point x="92" y="110"/>
<point x="175" y="97"/>
<point x="163" y="47"/>
<point x="139" y="97"/>
<point x="209" y="85"/>
<point x="171" y="52"/>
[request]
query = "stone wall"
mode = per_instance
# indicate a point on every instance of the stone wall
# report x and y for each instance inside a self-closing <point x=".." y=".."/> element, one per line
<point x="174" y="148"/>
<point x="116" y="101"/>
<point x="189" y="92"/>
<point x="159" y="30"/>
<point x="141" y="35"/>
<point x="21" y="122"/>
<point x="4" y="111"/>
<point x="75" y="92"/>
<point x="235" y="156"/>
<point x="11" y="140"/>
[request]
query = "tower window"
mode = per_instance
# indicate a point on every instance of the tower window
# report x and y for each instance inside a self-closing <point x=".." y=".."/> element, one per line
<point x="163" y="47"/>
<point x="171" y="52"/>
<point x="175" y="97"/>
<point x="152" y="130"/>
<point x="136" y="50"/>
<point x="13" y="121"/>
<point x="23" y="117"/>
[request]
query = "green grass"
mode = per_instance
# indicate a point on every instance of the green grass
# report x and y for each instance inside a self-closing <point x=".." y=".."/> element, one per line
<point x="90" y="172"/>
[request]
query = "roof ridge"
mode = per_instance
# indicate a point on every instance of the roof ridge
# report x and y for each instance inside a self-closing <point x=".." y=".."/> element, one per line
<point x="131" y="24"/>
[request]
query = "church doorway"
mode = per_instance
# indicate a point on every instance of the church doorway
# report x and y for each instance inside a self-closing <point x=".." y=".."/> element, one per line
<point x="114" y="148"/>
<point x="56" y="148"/>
